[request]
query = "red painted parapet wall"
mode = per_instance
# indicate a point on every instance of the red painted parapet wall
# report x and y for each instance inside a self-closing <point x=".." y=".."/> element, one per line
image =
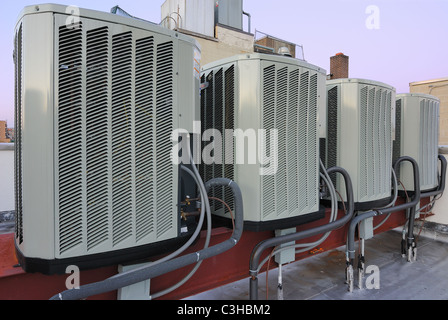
<point x="226" y="268"/>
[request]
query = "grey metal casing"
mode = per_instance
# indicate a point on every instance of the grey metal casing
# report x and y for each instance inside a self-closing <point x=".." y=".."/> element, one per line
<point x="261" y="91"/>
<point x="418" y="137"/>
<point x="96" y="104"/>
<point x="360" y="133"/>
<point x="229" y="13"/>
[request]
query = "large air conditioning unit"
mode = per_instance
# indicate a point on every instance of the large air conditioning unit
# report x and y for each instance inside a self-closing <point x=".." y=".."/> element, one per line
<point x="417" y="136"/>
<point x="245" y="95"/>
<point x="97" y="99"/>
<point x="360" y="133"/>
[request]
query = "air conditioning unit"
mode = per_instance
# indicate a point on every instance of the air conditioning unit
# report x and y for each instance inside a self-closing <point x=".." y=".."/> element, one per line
<point x="97" y="99"/>
<point x="245" y="95"/>
<point x="417" y="136"/>
<point x="360" y="133"/>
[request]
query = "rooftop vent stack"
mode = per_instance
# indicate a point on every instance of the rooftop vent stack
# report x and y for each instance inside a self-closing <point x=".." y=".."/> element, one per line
<point x="284" y="51"/>
<point x="360" y="131"/>
<point x="249" y="93"/>
<point x="417" y="136"/>
<point x="97" y="99"/>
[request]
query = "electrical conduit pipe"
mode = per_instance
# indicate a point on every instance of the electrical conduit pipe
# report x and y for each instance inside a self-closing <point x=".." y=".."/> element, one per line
<point x="273" y="242"/>
<point x="143" y="274"/>
<point x="412" y="205"/>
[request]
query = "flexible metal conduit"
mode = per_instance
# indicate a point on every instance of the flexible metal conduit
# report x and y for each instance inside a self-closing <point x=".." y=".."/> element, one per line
<point x="412" y="204"/>
<point x="143" y="274"/>
<point x="441" y="188"/>
<point x="273" y="242"/>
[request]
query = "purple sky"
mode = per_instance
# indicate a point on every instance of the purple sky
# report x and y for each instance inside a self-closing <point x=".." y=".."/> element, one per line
<point x="410" y="44"/>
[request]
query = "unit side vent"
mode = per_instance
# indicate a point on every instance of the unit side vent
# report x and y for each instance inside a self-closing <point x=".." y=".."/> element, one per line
<point x="332" y="130"/>
<point x="218" y="113"/>
<point x="397" y="142"/>
<point x="18" y="112"/>
<point x="164" y="128"/>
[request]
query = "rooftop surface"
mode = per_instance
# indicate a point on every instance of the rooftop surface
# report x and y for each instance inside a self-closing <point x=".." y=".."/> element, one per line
<point x="322" y="277"/>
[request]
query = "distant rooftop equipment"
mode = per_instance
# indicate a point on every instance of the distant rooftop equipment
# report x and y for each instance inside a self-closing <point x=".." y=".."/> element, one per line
<point x="266" y="92"/>
<point x="120" y="11"/>
<point x="284" y="51"/>
<point x="97" y="100"/>
<point x="265" y="43"/>
<point x="417" y="136"/>
<point x="197" y="16"/>
<point x="229" y="13"/>
<point x="360" y="131"/>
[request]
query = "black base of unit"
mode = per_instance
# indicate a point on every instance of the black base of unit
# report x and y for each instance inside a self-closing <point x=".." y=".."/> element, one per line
<point x="363" y="206"/>
<point x="375" y="204"/>
<point x="127" y="256"/>
<point x="410" y="193"/>
<point x="281" y="224"/>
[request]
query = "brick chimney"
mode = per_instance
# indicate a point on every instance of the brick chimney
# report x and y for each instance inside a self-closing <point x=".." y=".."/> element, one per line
<point x="339" y="66"/>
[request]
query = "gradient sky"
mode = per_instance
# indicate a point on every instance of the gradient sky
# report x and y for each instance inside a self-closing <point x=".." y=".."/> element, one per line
<point x="410" y="45"/>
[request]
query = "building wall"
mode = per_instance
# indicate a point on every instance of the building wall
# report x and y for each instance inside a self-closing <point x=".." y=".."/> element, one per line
<point x="10" y="133"/>
<point x="438" y="88"/>
<point x="228" y="42"/>
<point x="3" y="128"/>
<point x="6" y="177"/>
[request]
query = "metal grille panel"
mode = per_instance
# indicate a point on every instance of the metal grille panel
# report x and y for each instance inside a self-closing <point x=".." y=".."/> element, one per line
<point x="121" y="136"/>
<point x="397" y="143"/>
<point x="428" y="143"/>
<point x="218" y="112"/>
<point x="144" y="144"/>
<point x="115" y="120"/>
<point x="97" y="147"/>
<point x="290" y="106"/>
<point x="376" y="160"/>
<point x="332" y="127"/>
<point x="417" y="118"/>
<point x="164" y="128"/>
<point x="70" y="138"/>
<point x="269" y="205"/>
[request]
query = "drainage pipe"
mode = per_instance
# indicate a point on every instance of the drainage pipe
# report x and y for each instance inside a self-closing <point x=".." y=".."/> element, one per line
<point x="144" y="274"/>
<point x="273" y="242"/>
